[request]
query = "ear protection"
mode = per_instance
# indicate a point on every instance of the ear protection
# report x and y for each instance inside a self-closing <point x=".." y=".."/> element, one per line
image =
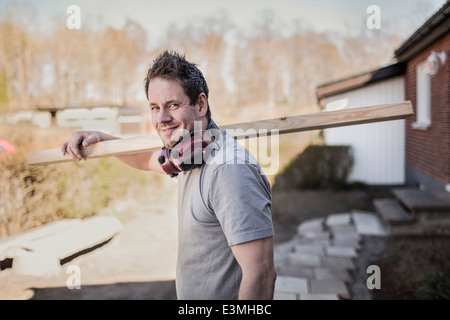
<point x="185" y="155"/>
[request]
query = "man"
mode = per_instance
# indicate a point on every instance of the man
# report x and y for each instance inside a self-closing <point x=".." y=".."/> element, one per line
<point x="225" y="230"/>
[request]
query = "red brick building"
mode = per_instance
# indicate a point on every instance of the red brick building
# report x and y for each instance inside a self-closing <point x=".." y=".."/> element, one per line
<point x="427" y="85"/>
<point x="421" y="74"/>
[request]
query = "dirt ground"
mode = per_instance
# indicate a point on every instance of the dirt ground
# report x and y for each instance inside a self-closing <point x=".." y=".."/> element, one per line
<point x="405" y="257"/>
<point x="140" y="263"/>
<point x="411" y="254"/>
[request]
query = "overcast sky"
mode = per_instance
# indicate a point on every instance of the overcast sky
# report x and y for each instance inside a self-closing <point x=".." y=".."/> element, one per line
<point x="155" y="16"/>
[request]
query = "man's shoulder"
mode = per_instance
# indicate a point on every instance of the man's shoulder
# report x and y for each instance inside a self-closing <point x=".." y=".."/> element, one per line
<point x="225" y="150"/>
<point x="231" y="162"/>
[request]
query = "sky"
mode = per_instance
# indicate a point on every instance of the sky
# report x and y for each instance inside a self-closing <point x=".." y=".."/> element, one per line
<point x="343" y="16"/>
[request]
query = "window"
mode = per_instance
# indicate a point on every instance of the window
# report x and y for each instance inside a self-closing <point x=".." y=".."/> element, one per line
<point x="423" y="97"/>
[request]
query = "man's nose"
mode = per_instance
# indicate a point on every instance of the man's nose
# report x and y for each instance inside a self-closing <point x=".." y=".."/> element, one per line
<point x="163" y="116"/>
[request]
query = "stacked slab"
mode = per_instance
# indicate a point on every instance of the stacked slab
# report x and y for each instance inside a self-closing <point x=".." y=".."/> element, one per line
<point x="42" y="251"/>
<point x="317" y="263"/>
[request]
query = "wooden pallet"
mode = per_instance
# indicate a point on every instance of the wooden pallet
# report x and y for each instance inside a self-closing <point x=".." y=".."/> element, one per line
<point x="392" y="212"/>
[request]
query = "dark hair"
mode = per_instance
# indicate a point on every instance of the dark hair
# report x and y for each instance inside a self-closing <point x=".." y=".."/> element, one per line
<point x="174" y="66"/>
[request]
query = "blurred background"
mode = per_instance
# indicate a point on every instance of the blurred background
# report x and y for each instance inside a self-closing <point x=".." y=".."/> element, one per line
<point x="80" y="65"/>
<point x="261" y="59"/>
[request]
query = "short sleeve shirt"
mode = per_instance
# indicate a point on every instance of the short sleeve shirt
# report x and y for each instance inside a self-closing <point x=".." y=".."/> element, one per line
<point x="226" y="201"/>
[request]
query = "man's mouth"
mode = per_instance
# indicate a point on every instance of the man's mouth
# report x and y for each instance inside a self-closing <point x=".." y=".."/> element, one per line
<point x="168" y="131"/>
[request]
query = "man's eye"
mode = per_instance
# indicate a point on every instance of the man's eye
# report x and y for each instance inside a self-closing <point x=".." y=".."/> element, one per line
<point x="174" y="105"/>
<point x="154" y="109"/>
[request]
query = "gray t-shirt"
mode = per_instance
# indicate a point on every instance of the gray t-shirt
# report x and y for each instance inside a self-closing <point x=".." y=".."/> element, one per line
<point x="224" y="202"/>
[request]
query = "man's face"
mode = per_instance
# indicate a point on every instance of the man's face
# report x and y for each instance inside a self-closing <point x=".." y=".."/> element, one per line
<point x="171" y="110"/>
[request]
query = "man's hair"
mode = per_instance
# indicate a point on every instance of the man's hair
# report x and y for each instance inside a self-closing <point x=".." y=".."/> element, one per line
<point x="174" y="66"/>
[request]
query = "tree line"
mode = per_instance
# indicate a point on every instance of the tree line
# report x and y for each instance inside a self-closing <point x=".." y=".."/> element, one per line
<point x="250" y="74"/>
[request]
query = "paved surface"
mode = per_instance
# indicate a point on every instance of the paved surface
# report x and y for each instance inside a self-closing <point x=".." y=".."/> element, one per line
<point x="321" y="262"/>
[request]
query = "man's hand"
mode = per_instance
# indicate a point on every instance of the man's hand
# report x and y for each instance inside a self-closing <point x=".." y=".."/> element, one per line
<point x="80" y="139"/>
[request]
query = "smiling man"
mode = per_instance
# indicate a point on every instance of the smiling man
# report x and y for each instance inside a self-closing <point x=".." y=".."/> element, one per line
<point x="225" y="230"/>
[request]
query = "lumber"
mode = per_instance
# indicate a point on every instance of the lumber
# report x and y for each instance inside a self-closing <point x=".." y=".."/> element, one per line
<point x="43" y="256"/>
<point x="281" y="125"/>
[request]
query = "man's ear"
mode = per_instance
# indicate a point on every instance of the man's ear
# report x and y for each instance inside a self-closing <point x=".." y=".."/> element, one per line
<point x="202" y="104"/>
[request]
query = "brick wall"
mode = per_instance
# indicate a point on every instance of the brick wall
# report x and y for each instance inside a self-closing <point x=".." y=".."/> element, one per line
<point x="428" y="151"/>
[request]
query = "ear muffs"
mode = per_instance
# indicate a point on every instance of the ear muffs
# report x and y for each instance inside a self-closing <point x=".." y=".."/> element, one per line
<point x="185" y="155"/>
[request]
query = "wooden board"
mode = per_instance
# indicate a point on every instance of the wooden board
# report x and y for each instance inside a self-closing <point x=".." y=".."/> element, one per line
<point x="313" y="121"/>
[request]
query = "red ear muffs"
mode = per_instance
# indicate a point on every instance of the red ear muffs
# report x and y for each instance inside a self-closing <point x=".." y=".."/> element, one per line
<point x="185" y="155"/>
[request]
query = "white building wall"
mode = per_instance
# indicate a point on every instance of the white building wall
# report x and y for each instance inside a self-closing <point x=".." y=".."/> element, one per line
<point x="379" y="148"/>
<point x="100" y="119"/>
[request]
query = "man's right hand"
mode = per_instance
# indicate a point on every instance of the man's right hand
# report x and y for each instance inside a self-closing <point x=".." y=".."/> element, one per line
<point x="80" y="138"/>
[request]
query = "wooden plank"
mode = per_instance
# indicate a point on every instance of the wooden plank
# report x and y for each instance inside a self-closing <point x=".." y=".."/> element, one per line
<point x="392" y="211"/>
<point x="102" y="149"/>
<point x="417" y="200"/>
<point x="283" y="125"/>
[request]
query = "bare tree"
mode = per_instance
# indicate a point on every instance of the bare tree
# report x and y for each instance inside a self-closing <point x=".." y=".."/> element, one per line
<point x="119" y="53"/>
<point x="204" y="42"/>
<point x="19" y="58"/>
<point x="251" y="75"/>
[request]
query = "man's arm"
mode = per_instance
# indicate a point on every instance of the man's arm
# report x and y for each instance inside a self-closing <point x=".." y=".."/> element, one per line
<point x="142" y="161"/>
<point x="258" y="271"/>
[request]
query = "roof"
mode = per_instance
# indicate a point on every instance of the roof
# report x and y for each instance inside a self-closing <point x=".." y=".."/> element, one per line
<point x="430" y="31"/>
<point x="357" y="81"/>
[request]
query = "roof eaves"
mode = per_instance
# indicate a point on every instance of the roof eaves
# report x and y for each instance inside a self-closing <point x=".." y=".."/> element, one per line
<point x="433" y="28"/>
<point x="358" y="81"/>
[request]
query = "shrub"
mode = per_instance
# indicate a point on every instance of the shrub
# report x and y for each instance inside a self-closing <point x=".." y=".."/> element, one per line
<point x="317" y="167"/>
<point x="435" y="286"/>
